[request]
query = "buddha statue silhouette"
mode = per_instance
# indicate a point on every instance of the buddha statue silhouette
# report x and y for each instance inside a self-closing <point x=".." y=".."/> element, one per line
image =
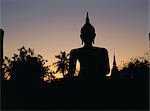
<point x="94" y="61"/>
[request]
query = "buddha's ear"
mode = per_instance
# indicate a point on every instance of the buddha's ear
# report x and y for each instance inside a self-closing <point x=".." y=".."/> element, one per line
<point x="93" y="41"/>
<point x="81" y="39"/>
<point x="82" y="42"/>
<point x="93" y="38"/>
<point x="94" y="35"/>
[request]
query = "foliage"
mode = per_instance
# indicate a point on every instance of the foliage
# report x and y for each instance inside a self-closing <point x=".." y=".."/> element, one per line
<point x="137" y="68"/>
<point x="63" y="63"/>
<point x="25" y="66"/>
<point x="49" y="77"/>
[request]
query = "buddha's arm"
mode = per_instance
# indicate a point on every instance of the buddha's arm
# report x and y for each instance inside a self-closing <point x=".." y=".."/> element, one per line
<point x="72" y="63"/>
<point x="107" y="70"/>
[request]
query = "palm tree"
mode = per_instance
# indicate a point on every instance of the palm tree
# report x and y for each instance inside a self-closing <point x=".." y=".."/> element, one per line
<point x="63" y="63"/>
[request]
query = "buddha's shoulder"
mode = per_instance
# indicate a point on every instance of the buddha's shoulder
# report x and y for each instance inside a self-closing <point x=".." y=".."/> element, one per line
<point x="76" y="50"/>
<point x="100" y="49"/>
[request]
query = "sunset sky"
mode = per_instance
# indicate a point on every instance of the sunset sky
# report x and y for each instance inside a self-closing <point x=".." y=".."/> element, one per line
<point x="51" y="26"/>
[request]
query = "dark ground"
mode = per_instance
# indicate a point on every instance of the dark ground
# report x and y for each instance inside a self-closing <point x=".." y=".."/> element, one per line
<point x="77" y="94"/>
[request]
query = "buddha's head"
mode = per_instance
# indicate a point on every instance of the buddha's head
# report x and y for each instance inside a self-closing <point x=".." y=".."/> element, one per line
<point x="87" y="32"/>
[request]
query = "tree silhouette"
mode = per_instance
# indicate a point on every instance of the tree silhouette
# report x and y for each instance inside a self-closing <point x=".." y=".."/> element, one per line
<point x="25" y="66"/>
<point x="63" y="63"/>
<point x="49" y="76"/>
<point x="137" y="68"/>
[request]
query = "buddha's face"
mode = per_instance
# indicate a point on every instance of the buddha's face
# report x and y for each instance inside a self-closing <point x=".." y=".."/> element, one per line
<point x="88" y="38"/>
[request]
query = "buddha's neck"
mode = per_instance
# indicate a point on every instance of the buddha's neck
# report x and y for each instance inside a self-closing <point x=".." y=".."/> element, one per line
<point x="88" y="45"/>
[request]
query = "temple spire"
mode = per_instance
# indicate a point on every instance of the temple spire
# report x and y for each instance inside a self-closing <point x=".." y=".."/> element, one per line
<point x="87" y="18"/>
<point x="114" y="62"/>
<point x="114" y="71"/>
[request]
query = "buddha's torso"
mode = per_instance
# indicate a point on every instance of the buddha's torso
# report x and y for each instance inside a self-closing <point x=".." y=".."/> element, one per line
<point x="92" y="61"/>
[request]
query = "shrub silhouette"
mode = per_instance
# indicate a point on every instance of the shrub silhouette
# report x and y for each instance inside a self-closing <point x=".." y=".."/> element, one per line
<point x="137" y="68"/>
<point x="25" y="67"/>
